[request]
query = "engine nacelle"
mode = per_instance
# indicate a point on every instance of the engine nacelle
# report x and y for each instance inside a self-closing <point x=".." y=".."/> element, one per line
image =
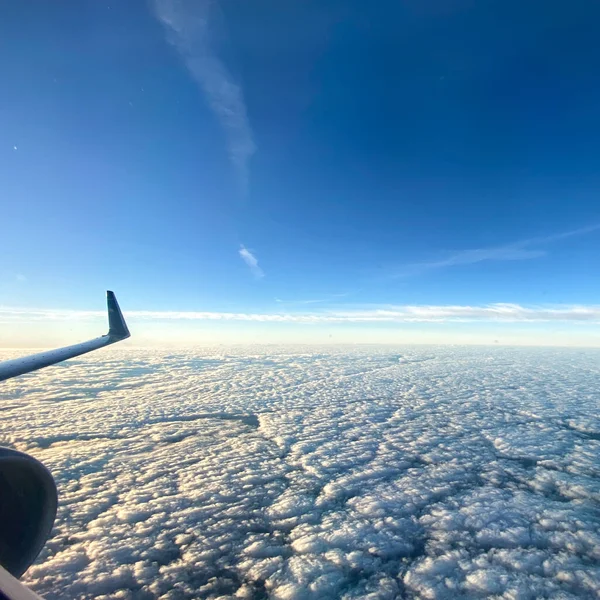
<point x="28" y="501"/>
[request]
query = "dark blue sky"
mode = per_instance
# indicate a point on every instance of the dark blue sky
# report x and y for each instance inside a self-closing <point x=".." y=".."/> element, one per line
<point x="364" y="153"/>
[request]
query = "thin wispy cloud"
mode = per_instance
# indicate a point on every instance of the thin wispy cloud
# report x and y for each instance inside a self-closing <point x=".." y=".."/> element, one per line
<point x="508" y="313"/>
<point x="321" y="300"/>
<point x="251" y="261"/>
<point x="521" y="250"/>
<point x="187" y="24"/>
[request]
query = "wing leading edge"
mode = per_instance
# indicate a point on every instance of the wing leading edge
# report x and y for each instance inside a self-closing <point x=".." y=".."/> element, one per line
<point x="117" y="331"/>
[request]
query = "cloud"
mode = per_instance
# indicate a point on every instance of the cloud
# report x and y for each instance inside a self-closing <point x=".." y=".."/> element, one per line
<point x="251" y="261"/>
<point x="308" y="473"/>
<point x="507" y="313"/>
<point x="187" y="26"/>
<point x="522" y="250"/>
<point x="325" y="298"/>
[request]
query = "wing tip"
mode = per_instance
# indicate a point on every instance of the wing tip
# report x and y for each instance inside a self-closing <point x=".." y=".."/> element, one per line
<point x="117" y="327"/>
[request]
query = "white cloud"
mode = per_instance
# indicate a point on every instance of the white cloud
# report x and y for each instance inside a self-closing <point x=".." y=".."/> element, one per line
<point x="321" y="300"/>
<point x="503" y="313"/>
<point x="187" y="25"/>
<point x="304" y="473"/>
<point x="251" y="261"/>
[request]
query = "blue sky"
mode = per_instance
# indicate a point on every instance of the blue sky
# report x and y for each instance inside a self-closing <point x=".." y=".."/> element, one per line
<point x="302" y="158"/>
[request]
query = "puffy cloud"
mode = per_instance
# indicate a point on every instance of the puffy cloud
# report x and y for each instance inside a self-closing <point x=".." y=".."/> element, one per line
<point x="334" y="473"/>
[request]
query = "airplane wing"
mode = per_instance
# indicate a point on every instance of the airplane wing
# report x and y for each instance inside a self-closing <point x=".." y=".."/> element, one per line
<point x="117" y="331"/>
<point x="28" y="496"/>
<point x="12" y="589"/>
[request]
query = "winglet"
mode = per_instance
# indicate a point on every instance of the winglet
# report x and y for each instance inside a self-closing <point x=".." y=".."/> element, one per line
<point x="116" y="323"/>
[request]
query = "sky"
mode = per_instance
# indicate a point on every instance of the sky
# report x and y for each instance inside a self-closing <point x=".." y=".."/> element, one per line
<point x="341" y="171"/>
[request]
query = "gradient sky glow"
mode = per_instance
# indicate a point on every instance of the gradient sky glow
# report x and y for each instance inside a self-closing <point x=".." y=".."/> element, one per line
<point x="342" y="171"/>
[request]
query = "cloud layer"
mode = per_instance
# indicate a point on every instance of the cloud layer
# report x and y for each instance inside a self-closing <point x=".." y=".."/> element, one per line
<point x="295" y="474"/>
<point x="508" y="313"/>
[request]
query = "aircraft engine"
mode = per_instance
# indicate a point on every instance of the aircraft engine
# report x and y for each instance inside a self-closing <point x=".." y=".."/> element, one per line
<point x="28" y="502"/>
